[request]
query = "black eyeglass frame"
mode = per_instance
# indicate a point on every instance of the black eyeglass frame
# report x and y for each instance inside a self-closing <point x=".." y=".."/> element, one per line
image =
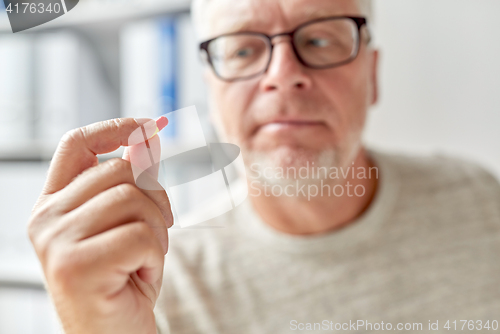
<point x="360" y="22"/>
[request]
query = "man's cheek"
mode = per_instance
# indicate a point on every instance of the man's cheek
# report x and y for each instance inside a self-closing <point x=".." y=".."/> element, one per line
<point x="230" y="126"/>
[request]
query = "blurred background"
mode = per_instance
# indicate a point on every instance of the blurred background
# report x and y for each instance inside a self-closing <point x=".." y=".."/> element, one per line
<point x="439" y="76"/>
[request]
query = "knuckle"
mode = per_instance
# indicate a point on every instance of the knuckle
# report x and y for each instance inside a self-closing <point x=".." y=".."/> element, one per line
<point x="70" y="138"/>
<point x="118" y="165"/>
<point x="41" y="213"/>
<point x="142" y="232"/>
<point x="127" y="192"/>
<point x="38" y="228"/>
<point x="40" y="240"/>
<point x="116" y="169"/>
<point x="32" y="229"/>
<point x="34" y="223"/>
<point x="144" y="237"/>
<point x="115" y="123"/>
<point x="64" y="268"/>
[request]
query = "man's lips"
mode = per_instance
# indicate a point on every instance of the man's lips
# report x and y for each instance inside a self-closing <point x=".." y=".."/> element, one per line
<point x="284" y="125"/>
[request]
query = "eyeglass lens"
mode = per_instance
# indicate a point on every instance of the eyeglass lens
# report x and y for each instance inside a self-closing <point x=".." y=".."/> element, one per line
<point x="319" y="44"/>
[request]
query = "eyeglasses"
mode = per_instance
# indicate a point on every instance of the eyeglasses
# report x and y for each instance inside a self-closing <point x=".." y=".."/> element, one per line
<point x="321" y="43"/>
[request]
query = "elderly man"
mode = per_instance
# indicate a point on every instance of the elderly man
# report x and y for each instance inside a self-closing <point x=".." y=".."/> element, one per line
<point x="412" y="246"/>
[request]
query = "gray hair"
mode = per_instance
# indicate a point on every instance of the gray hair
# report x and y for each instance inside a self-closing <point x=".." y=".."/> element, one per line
<point x="366" y="7"/>
<point x="198" y="7"/>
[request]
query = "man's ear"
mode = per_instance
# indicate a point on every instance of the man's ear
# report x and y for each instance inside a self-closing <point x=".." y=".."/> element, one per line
<point x="374" y="76"/>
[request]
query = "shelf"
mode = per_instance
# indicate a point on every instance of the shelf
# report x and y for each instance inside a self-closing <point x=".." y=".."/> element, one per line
<point x="38" y="151"/>
<point x="27" y="276"/>
<point x="26" y="151"/>
<point x="90" y="12"/>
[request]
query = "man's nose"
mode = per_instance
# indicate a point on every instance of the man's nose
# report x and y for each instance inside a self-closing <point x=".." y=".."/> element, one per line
<point x="285" y="72"/>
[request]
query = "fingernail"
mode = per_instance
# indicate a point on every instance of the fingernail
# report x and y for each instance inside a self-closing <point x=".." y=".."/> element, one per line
<point x="161" y="123"/>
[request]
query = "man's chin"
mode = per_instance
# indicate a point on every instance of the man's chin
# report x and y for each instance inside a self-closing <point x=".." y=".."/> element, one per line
<point x="284" y="156"/>
<point x="280" y="164"/>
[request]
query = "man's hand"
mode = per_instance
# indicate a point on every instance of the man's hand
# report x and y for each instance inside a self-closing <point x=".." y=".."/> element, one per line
<point x="101" y="240"/>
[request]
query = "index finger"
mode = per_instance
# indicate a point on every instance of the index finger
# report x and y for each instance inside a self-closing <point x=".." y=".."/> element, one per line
<point x="78" y="149"/>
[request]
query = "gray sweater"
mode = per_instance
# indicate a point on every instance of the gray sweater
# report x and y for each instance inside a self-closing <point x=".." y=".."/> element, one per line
<point x="425" y="251"/>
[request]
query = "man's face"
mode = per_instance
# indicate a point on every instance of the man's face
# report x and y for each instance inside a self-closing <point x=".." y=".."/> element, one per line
<point x="291" y="114"/>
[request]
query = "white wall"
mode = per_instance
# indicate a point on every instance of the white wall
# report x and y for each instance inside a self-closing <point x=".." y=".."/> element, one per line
<point x="440" y="78"/>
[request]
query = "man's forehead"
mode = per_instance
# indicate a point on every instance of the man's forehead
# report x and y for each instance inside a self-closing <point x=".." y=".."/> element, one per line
<point x="225" y="16"/>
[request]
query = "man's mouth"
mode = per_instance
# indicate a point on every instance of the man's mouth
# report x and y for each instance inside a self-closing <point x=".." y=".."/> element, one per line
<point x="290" y="125"/>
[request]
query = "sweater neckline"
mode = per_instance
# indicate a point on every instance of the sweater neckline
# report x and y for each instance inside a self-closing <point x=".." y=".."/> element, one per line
<point x="357" y="232"/>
